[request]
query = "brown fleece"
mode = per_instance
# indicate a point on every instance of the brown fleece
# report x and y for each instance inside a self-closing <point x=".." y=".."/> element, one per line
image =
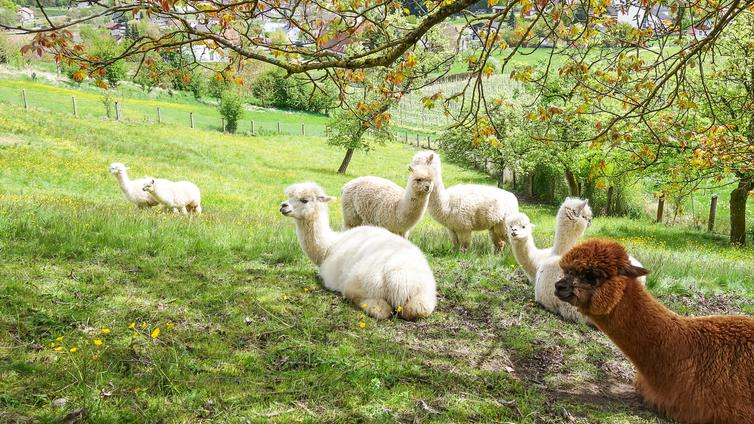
<point x="693" y="370"/>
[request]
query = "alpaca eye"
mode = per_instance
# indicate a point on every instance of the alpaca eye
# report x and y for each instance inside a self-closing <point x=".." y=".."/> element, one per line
<point x="304" y="201"/>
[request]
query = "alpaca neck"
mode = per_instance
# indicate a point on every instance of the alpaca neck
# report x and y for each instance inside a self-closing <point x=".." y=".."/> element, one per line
<point x="315" y="237"/>
<point x="524" y="250"/>
<point x="439" y="199"/>
<point x="565" y="238"/>
<point x="161" y="194"/>
<point x="412" y="205"/>
<point x="644" y="330"/>
<point x="123" y="181"/>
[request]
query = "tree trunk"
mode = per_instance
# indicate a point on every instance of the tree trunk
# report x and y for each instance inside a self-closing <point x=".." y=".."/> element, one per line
<point x="346" y="161"/>
<point x="573" y="185"/>
<point x="529" y="184"/>
<point x="609" y="206"/>
<point x="738" y="199"/>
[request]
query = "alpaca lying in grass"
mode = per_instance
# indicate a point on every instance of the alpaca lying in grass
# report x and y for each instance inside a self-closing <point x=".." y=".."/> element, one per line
<point x="177" y="196"/>
<point x="469" y="207"/>
<point x="693" y="370"/>
<point x="380" y="202"/>
<point x="132" y="189"/>
<point x="573" y="218"/>
<point x="370" y="266"/>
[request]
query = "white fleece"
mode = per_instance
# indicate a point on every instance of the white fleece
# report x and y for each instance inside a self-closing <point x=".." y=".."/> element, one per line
<point x="180" y="196"/>
<point x="132" y="189"/>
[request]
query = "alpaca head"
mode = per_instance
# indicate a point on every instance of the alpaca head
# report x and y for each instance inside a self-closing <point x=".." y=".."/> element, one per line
<point x="427" y="157"/>
<point x="305" y="201"/>
<point x="596" y="274"/>
<point x="422" y="175"/>
<point x="574" y="215"/>
<point x="519" y="226"/>
<point x="117" y="168"/>
<point x="149" y="186"/>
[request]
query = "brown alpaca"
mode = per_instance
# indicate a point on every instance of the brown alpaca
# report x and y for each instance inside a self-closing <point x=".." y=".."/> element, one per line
<point x="693" y="370"/>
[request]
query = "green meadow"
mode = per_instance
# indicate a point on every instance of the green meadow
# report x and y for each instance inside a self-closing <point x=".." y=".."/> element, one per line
<point x="109" y="313"/>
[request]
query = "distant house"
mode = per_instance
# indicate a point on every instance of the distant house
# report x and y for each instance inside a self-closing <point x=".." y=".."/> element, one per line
<point x="25" y="15"/>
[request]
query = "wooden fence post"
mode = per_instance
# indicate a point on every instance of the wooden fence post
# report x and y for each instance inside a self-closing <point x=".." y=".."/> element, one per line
<point x="278" y="127"/>
<point x="609" y="207"/>
<point x="117" y="111"/>
<point x="222" y="124"/>
<point x="303" y="131"/>
<point x="75" y="111"/>
<point x="660" y="207"/>
<point x="252" y="127"/>
<point x="405" y="133"/>
<point x="417" y="140"/>
<point x="26" y="102"/>
<point x="712" y="213"/>
<point x="159" y="117"/>
<point x="429" y="143"/>
<point x="191" y="116"/>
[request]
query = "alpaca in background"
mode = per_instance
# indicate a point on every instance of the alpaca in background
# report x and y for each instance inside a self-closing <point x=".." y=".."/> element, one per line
<point x="132" y="189"/>
<point x="468" y="207"/>
<point x="380" y="202"/>
<point x="177" y="196"/>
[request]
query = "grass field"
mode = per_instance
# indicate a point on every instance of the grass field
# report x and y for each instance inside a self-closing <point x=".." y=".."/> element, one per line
<point x="245" y="330"/>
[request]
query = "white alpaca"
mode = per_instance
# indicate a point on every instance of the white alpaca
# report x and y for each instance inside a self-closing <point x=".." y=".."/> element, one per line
<point x="132" y="189"/>
<point x="181" y="196"/>
<point x="574" y="217"/>
<point x="526" y="253"/>
<point x="469" y="207"/>
<point x="380" y="202"/>
<point x="374" y="268"/>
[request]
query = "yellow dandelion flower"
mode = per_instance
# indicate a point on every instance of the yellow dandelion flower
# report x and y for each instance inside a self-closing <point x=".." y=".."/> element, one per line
<point x="362" y="324"/>
<point x="363" y="306"/>
<point x="60" y="338"/>
<point x="285" y="297"/>
<point x="143" y="324"/>
<point x="58" y="349"/>
<point x="399" y="309"/>
<point x="106" y="331"/>
<point x="306" y="289"/>
<point x="132" y="325"/>
<point x="155" y="332"/>
<point x="73" y="349"/>
<point x="97" y="342"/>
<point x="52" y="344"/>
<point x="169" y="325"/>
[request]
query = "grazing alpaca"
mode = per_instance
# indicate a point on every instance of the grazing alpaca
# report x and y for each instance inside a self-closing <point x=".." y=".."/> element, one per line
<point x="692" y="369"/>
<point x="522" y="244"/>
<point x="371" y="266"/>
<point x="181" y="196"/>
<point x="132" y="189"/>
<point x="380" y="202"/>
<point x="469" y="207"/>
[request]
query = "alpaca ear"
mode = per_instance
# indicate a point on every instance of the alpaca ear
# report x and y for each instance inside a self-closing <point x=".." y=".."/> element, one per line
<point x="410" y="168"/>
<point x="430" y="158"/>
<point x="326" y="199"/>
<point x="633" y="271"/>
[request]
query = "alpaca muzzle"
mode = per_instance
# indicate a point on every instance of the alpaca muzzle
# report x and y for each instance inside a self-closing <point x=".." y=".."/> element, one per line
<point x="285" y="209"/>
<point x="564" y="289"/>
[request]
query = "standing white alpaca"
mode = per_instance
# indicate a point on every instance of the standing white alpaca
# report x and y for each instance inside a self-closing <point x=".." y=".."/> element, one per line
<point x="380" y="202"/>
<point x="574" y="217"/>
<point x="132" y="189"/>
<point x="469" y="207"/>
<point x="181" y="196"/>
<point x="372" y="267"/>
<point x="526" y="253"/>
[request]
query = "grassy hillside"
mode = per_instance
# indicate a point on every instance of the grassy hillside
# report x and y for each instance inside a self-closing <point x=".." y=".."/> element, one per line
<point x="245" y="330"/>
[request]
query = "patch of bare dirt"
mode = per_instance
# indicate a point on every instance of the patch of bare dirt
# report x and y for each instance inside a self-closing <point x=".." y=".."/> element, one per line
<point x="9" y="141"/>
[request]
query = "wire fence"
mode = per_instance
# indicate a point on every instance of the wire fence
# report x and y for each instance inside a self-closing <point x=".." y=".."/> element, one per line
<point x="92" y="106"/>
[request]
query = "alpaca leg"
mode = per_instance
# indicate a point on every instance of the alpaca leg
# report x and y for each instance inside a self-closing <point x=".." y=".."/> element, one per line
<point x="453" y="237"/>
<point x="464" y="240"/>
<point x="374" y="307"/>
<point x="416" y="307"/>
<point x="198" y="209"/>
<point x="498" y="237"/>
<point x="175" y="210"/>
<point x="184" y="211"/>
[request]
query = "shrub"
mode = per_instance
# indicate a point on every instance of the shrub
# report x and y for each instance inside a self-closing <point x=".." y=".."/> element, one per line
<point x="231" y="108"/>
<point x="273" y="89"/>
